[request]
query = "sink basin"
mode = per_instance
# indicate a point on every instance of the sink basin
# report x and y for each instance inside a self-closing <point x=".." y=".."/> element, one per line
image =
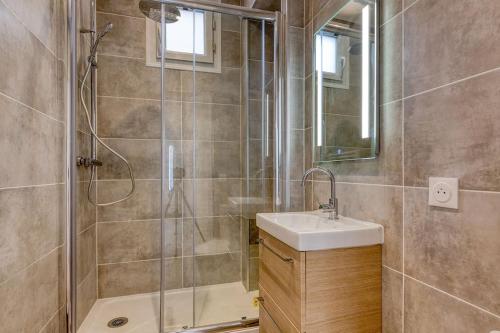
<point x="310" y="231"/>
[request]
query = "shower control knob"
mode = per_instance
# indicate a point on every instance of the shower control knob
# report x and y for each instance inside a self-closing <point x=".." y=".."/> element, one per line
<point x="86" y="162"/>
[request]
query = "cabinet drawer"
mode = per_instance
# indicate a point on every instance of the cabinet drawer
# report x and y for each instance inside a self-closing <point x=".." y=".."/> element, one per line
<point x="266" y="322"/>
<point x="273" y="310"/>
<point x="282" y="272"/>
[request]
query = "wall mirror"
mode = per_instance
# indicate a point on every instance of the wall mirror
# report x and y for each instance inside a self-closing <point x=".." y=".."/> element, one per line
<point x="346" y="84"/>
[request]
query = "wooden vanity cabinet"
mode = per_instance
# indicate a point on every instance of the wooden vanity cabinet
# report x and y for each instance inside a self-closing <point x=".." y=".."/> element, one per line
<point x="327" y="291"/>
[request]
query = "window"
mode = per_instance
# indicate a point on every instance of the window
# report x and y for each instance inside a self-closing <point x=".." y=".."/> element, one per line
<point x="181" y="41"/>
<point x="332" y="58"/>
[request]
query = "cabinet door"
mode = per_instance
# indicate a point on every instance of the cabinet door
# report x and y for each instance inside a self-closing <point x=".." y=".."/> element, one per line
<point x="266" y="322"/>
<point x="282" y="276"/>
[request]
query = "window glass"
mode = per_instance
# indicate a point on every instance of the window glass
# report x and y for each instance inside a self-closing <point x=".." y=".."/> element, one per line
<point x="180" y="34"/>
<point x="327" y="58"/>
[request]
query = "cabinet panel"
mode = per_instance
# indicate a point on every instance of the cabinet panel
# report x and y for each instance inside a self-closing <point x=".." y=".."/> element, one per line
<point x="283" y="279"/>
<point x="279" y="318"/>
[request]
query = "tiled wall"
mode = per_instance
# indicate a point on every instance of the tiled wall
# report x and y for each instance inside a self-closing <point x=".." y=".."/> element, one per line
<point x="129" y="119"/>
<point x="438" y="118"/>
<point x="32" y="190"/>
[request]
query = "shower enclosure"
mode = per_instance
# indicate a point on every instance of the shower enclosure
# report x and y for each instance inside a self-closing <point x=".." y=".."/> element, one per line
<point x="188" y="94"/>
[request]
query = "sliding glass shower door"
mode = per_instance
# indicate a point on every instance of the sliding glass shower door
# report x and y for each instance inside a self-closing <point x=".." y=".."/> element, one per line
<point x="217" y="161"/>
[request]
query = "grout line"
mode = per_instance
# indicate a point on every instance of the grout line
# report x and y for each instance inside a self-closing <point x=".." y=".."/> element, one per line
<point x="120" y="56"/>
<point x="170" y="258"/>
<point x="29" y="186"/>
<point x="452" y="83"/>
<point x="361" y="184"/>
<point x="13" y="13"/>
<point x="452" y="296"/>
<point x="51" y="318"/>
<point x="14" y="275"/>
<point x="31" y="108"/>
<point x="393" y="270"/>
<point x="122" y="15"/>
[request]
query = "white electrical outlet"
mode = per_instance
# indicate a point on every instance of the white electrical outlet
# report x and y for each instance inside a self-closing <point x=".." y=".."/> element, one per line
<point x="443" y="192"/>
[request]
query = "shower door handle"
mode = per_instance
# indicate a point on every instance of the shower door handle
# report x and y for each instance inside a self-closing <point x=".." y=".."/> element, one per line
<point x="170" y="168"/>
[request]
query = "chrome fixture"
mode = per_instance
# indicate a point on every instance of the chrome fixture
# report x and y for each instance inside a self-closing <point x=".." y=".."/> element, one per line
<point x="92" y="161"/>
<point x="332" y="207"/>
<point x="152" y="10"/>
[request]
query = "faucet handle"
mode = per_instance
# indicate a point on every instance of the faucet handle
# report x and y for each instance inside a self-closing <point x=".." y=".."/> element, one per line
<point x="326" y="206"/>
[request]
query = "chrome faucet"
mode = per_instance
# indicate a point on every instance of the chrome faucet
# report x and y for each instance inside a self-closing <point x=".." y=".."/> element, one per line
<point x="332" y="207"/>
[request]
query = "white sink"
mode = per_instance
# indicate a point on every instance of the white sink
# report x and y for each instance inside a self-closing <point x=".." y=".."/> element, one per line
<point x="311" y="231"/>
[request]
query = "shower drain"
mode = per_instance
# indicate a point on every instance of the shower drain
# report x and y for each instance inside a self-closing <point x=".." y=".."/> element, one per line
<point x="117" y="322"/>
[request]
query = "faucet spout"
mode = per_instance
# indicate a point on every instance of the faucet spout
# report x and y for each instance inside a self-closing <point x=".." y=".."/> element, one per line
<point x="332" y="206"/>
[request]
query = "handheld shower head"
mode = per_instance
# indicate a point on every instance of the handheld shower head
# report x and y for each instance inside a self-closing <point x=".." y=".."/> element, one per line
<point x="98" y="36"/>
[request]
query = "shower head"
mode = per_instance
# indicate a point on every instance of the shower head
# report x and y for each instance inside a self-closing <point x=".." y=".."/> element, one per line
<point x="98" y="36"/>
<point x="152" y="10"/>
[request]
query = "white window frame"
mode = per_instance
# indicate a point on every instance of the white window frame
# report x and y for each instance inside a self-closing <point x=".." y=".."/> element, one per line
<point x="208" y="62"/>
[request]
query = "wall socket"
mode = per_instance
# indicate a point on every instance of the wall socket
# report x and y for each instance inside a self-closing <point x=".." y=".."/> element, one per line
<point x="443" y="192"/>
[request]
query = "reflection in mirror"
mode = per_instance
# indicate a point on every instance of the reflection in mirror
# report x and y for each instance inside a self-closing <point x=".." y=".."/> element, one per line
<point x="346" y="87"/>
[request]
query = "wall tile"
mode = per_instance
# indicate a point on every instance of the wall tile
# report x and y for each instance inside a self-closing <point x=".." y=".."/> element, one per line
<point x="392" y="301"/>
<point x="212" y="197"/>
<point x="296" y="154"/>
<point x="464" y="32"/>
<point x="130" y="8"/>
<point x="87" y="295"/>
<point x="36" y="156"/>
<point x="128" y="37"/>
<point x="228" y="269"/>
<point x="33" y="81"/>
<point x="223" y="88"/>
<point x="455" y="251"/>
<point x="216" y="122"/>
<point x="37" y="282"/>
<point x="143" y="205"/>
<point x="378" y="204"/>
<point x="31" y="225"/>
<point x="137" y="277"/>
<point x="144" y="157"/>
<point x="391" y="77"/>
<point x="125" y="77"/>
<point x="230" y="49"/>
<point x="295" y="61"/>
<point x="454" y="131"/>
<point x="296" y="13"/>
<point x="389" y="8"/>
<point x="134" y="118"/>
<point x="211" y="236"/>
<point x="424" y="312"/>
<point x="86" y="257"/>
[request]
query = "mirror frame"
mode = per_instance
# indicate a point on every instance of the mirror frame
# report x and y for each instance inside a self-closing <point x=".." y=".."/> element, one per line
<point x="376" y="87"/>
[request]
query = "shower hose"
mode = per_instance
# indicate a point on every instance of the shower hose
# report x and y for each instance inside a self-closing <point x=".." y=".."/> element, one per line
<point x="93" y="167"/>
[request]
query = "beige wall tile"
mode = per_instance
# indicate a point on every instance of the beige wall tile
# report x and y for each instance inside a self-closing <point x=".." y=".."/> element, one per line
<point x="378" y="204"/>
<point x="391" y="52"/>
<point x="212" y="197"/>
<point x="392" y="301"/>
<point x="230" y="49"/>
<point x="223" y="88"/>
<point x="437" y="27"/>
<point x="128" y="37"/>
<point x="35" y="86"/>
<point x="389" y="8"/>
<point x="144" y="157"/>
<point x="138" y="277"/>
<point x="33" y="145"/>
<point x="86" y="253"/>
<point x="31" y="225"/>
<point x="143" y="205"/>
<point x="135" y="118"/>
<point x="295" y="61"/>
<point x="125" y="77"/>
<point x="130" y="8"/>
<point x="454" y="131"/>
<point x="86" y="296"/>
<point x="22" y="295"/>
<point x="456" y="251"/>
<point x="428" y="310"/>
<point x="214" y="122"/>
<point x="228" y="269"/>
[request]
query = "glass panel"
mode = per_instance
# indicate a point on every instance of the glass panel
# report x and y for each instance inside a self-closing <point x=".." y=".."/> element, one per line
<point x="178" y="199"/>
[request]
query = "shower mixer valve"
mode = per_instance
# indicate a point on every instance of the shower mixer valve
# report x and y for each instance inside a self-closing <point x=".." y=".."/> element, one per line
<point x="87" y="161"/>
